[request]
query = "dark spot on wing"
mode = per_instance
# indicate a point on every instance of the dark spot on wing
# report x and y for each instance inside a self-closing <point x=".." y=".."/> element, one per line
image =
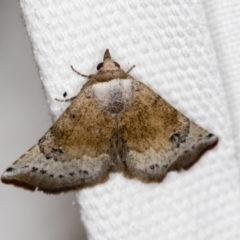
<point x="177" y="139"/>
<point x="152" y="167"/>
<point x="165" y="165"/>
<point x="64" y="94"/>
<point x="209" y="135"/>
<point x="34" y="169"/>
<point x="72" y="116"/>
<point x="10" y="169"/>
<point x="43" y="171"/>
<point x="71" y="173"/>
<point x="26" y="166"/>
<point x="60" y="176"/>
<point x="41" y="140"/>
<point x="57" y="150"/>
<point x="55" y="153"/>
<point x="174" y="137"/>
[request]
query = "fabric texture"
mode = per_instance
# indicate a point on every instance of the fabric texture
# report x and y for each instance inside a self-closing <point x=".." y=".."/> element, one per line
<point x="174" y="53"/>
<point x="223" y="19"/>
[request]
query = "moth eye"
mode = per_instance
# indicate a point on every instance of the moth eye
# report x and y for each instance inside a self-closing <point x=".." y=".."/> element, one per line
<point x="116" y="64"/>
<point x="100" y="65"/>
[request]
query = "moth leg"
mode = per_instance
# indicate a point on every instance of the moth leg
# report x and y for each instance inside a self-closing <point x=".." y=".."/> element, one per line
<point x="72" y="98"/>
<point x="131" y="68"/>
<point x="83" y="75"/>
<point x="66" y="100"/>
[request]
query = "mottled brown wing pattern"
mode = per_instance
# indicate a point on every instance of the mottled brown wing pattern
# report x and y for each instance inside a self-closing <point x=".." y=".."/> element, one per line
<point x="114" y="124"/>
<point x="157" y="138"/>
<point x="74" y="153"/>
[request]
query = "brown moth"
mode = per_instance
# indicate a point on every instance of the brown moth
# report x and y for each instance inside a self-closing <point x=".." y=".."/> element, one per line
<point x="114" y="124"/>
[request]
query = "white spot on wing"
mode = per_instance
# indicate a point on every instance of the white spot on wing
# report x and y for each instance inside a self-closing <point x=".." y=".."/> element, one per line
<point x="104" y="93"/>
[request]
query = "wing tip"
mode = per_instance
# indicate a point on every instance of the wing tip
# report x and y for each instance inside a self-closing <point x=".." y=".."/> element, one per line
<point x="213" y="141"/>
<point x="18" y="183"/>
<point x="210" y="141"/>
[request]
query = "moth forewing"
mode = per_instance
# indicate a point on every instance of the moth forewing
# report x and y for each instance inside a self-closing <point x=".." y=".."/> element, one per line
<point x="115" y="123"/>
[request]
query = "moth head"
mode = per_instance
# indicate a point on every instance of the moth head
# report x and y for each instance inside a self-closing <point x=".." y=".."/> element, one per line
<point x="108" y="63"/>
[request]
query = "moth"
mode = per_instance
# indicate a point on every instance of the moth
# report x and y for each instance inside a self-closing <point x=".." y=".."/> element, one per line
<point x="114" y="124"/>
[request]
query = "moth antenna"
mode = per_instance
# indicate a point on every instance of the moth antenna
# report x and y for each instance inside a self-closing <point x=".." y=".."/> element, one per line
<point x="131" y="68"/>
<point x="83" y="75"/>
<point x="66" y="100"/>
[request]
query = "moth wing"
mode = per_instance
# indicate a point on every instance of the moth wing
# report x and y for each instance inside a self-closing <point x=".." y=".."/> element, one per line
<point x="74" y="153"/>
<point x="157" y="138"/>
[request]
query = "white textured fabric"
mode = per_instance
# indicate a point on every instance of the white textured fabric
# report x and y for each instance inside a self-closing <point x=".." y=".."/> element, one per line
<point x="170" y="44"/>
<point x="223" y="18"/>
